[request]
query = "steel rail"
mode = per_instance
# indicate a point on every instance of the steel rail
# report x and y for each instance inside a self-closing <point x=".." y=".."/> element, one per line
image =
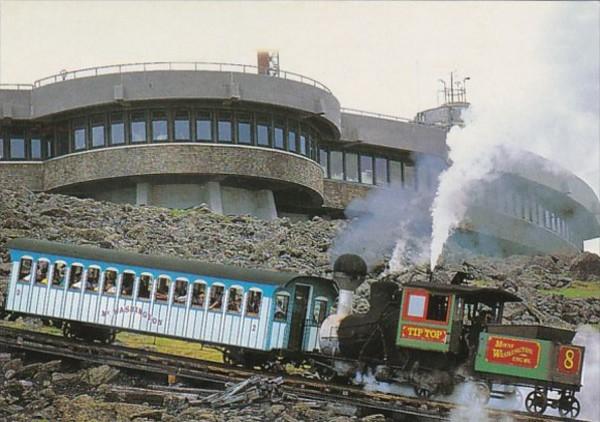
<point x="220" y="373"/>
<point x="169" y="66"/>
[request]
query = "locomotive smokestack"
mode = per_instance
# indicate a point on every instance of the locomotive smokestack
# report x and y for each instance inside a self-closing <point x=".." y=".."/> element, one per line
<point x="349" y="272"/>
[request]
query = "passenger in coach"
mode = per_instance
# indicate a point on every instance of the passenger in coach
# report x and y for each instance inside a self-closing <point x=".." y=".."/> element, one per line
<point x="109" y="283"/>
<point x="59" y="274"/>
<point x="25" y="270"/>
<point x="180" y="291"/>
<point x="92" y="279"/>
<point x="41" y="273"/>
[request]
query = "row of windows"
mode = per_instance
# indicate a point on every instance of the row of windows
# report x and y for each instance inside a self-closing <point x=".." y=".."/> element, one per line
<point x="528" y="208"/>
<point x="149" y="126"/>
<point x="92" y="280"/>
<point x="373" y="170"/>
<point x="20" y="148"/>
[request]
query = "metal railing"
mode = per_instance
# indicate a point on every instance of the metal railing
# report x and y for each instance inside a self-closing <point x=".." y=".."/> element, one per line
<point x="377" y="115"/>
<point x="17" y="87"/>
<point x="190" y="66"/>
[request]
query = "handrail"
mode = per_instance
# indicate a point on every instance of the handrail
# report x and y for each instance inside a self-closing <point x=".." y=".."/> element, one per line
<point x="154" y="66"/>
<point x="377" y="115"/>
<point x="18" y="87"/>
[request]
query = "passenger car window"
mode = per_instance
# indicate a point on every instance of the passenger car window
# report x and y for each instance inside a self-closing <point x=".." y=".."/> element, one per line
<point x="253" y="303"/>
<point x="110" y="282"/>
<point x="58" y="278"/>
<point x="75" y="277"/>
<point x="180" y="293"/>
<point x="281" y="306"/>
<point x="234" y="303"/>
<point x="25" y="270"/>
<point x="162" y="289"/>
<point x="127" y="284"/>
<point x="93" y="279"/>
<point x="216" y="298"/>
<point x="145" y="287"/>
<point x="320" y="311"/>
<point x="199" y="295"/>
<point x="41" y="272"/>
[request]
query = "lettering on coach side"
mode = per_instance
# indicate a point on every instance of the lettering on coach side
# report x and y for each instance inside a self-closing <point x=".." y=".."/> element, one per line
<point x="435" y="335"/>
<point x="107" y="313"/>
<point x="513" y="352"/>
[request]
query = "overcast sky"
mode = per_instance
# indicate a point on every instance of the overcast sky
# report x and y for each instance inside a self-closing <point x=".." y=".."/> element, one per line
<point x="539" y="58"/>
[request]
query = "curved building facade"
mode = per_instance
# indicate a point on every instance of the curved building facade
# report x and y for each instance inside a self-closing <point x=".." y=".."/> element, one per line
<point x="245" y="141"/>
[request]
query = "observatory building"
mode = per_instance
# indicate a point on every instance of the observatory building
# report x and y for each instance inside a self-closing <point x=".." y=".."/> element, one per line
<point x="259" y="140"/>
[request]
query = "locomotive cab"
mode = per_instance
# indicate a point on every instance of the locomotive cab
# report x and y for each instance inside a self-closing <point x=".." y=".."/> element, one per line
<point x="448" y="318"/>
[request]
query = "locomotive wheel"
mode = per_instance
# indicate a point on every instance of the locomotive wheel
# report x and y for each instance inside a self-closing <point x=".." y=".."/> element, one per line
<point x="423" y="393"/>
<point x="536" y="402"/>
<point x="568" y="406"/>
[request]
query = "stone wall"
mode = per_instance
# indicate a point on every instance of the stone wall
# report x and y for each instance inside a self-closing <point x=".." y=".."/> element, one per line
<point x="185" y="159"/>
<point x="339" y="194"/>
<point x="27" y="175"/>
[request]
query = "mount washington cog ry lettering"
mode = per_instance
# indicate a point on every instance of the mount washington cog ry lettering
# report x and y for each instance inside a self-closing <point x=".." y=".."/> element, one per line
<point x="132" y="310"/>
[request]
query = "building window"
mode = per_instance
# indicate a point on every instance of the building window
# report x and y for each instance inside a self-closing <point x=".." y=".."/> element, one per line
<point x="381" y="171"/>
<point x="244" y="129"/>
<point x="98" y="132"/>
<point x="36" y="149"/>
<point x="138" y="127"/>
<point x="79" y="139"/>
<point x="263" y="132"/>
<point x="292" y="141"/>
<point x="49" y="152"/>
<point x="17" y="148"/>
<point x="303" y="147"/>
<point x="160" y="131"/>
<point x="117" y="129"/>
<point x="204" y="127"/>
<point x="396" y="173"/>
<point x="323" y="161"/>
<point x="410" y="181"/>
<point x="351" y="162"/>
<point x="366" y="169"/>
<point x="224" y="131"/>
<point x="336" y="165"/>
<point x="182" y="126"/>
<point x="279" y="136"/>
<point x="1" y="148"/>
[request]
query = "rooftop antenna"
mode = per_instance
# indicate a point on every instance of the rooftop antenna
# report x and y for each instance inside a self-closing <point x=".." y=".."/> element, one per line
<point x="268" y="62"/>
<point x="455" y="91"/>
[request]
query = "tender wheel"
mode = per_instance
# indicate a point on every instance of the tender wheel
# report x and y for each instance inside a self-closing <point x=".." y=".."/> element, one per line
<point x="568" y="406"/>
<point x="536" y="402"/>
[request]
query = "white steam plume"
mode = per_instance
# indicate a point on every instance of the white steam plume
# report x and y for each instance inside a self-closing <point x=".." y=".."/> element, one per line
<point x="589" y="337"/>
<point x="548" y="104"/>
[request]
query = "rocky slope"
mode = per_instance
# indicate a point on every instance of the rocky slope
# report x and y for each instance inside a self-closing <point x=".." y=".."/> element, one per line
<point x="279" y="245"/>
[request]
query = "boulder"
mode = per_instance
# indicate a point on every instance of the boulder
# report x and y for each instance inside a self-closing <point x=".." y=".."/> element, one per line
<point x="586" y="266"/>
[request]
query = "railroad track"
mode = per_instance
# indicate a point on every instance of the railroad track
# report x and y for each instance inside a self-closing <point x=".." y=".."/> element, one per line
<point x="219" y="373"/>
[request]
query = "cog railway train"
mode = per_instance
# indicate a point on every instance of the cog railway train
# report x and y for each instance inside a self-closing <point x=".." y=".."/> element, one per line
<point x="430" y="336"/>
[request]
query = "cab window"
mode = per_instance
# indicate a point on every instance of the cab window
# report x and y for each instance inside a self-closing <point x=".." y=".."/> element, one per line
<point x="425" y="306"/>
<point x="25" y="270"/>
<point x="438" y="307"/>
<point x="282" y="301"/>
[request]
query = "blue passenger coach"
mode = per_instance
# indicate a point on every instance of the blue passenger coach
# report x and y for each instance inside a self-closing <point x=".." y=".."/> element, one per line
<point x="239" y="309"/>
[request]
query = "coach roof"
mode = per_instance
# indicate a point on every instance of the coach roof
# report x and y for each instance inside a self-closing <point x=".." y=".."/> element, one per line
<point x="158" y="262"/>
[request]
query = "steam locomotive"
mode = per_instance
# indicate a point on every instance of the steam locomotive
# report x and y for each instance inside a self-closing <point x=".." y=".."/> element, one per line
<point x="429" y="335"/>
